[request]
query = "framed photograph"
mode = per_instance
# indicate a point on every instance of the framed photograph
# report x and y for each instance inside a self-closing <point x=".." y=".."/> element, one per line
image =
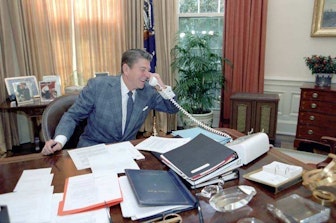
<point x="47" y="90"/>
<point x="101" y="74"/>
<point x="24" y="88"/>
<point x="324" y="18"/>
<point x="57" y="79"/>
<point x="23" y="92"/>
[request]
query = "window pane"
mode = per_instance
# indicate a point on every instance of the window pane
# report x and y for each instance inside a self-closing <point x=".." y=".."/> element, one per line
<point x="202" y="24"/>
<point x="188" y="6"/>
<point x="209" y="5"/>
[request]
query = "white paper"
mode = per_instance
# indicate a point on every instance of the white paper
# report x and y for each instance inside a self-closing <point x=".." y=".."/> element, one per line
<point x="161" y="144"/>
<point x="127" y="145"/>
<point x="33" y="207"/>
<point x="80" y="156"/>
<point x="100" y="215"/>
<point x="34" y="179"/>
<point x="86" y="190"/>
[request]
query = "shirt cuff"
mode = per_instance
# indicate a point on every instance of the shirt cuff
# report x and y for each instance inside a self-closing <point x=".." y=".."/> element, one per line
<point x="61" y="139"/>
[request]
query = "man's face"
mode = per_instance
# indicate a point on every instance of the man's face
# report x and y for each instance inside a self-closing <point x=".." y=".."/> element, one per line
<point x="136" y="76"/>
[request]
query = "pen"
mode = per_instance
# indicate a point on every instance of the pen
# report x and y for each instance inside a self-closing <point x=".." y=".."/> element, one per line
<point x="200" y="214"/>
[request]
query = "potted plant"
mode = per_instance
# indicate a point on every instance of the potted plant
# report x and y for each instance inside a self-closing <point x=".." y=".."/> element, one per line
<point x="323" y="67"/>
<point x="199" y="74"/>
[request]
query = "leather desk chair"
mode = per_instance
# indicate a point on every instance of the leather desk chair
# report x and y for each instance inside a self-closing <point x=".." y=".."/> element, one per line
<point x="52" y="115"/>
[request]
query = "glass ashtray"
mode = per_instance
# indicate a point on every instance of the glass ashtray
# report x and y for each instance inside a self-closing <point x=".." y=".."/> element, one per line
<point x="232" y="198"/>
<point x="250" y="220"/>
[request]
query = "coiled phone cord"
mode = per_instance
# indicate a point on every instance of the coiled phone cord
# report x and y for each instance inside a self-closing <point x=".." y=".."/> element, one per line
<point x="201" y="124"/>
<point x="153" y="82"/>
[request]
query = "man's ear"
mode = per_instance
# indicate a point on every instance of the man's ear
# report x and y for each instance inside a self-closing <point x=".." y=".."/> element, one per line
<point x="125" y="68"/>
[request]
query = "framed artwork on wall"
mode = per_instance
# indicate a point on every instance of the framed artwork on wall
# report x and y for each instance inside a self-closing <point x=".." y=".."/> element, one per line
<point x="324" y="18"/>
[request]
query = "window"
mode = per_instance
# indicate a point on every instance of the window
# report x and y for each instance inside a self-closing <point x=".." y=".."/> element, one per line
<point x="203" y="16"/>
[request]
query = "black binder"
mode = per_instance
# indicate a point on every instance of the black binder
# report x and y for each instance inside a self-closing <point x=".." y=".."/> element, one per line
<point x="159" y="187"/>
<point x="199" y="157"/>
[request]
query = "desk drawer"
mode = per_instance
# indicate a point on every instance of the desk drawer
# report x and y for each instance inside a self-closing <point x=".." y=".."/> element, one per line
<point x="318" y="106"/>
<point x="314" y="132"/>
<point x="317" y="119"/>
<point x="317" y="95"/>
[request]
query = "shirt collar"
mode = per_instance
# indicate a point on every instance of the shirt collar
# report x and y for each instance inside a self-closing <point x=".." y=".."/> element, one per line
<point x="124" y="89"/>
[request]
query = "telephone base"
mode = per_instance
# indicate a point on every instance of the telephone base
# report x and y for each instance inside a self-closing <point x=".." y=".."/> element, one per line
<point x="250" y="147"/>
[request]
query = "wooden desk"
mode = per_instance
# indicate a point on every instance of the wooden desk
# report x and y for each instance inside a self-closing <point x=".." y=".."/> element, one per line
<point x="63" y="167"/>
<point x="32" y="110"/>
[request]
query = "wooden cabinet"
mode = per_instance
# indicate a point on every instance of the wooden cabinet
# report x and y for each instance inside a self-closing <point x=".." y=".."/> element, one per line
<point x="254" y="112"/>
<point x="316" y="114"/>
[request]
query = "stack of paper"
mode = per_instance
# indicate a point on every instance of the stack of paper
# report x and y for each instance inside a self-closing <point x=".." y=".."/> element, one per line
<point x="149" y="194"/>
<point x="31" y="199"/>
<point x="201" y="159"/>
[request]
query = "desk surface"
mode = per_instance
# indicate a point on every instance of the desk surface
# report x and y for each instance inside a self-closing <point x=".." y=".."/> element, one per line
<point x="63" y="167"/>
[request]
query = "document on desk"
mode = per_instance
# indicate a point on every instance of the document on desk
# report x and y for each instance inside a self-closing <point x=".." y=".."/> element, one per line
<point x="34" y="179"/>
<point x="161" y="144"/>
<point x="115" y="161"/>
<point x="124" y="153"/>
<point x="28" y="207"/>
<point x="126" y="146"/>
<point x="87" y="192"/>
<point x="80" y="156"/>
<point x="100" y="215"/>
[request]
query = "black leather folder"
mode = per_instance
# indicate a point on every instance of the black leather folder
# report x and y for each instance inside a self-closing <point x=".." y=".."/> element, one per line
<point x="159" y="187"/>
<point x="199" y="157"/>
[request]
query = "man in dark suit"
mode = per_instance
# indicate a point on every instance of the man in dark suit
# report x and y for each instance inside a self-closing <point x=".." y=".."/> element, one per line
<point x="104" y="101"/>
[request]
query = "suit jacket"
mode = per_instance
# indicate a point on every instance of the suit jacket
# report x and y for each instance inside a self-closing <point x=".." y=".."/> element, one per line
<point x="100" y="103"/>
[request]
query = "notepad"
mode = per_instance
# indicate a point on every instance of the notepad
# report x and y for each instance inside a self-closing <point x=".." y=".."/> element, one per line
<point x="277" y="175"/>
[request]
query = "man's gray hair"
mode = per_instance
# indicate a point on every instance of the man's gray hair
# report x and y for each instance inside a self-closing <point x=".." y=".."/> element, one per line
<point x="131" y="56"/>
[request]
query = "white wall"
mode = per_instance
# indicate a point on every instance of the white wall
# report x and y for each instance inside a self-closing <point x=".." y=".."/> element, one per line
<point x="288" y="41"/>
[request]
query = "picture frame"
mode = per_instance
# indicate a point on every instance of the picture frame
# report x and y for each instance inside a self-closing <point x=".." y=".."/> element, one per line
<point x="101" y="74"/>
<point x="24" y="88"/>
<point x="47" y="90"/>
<point x="324" y="19"/>
<point x="57" y="80"/>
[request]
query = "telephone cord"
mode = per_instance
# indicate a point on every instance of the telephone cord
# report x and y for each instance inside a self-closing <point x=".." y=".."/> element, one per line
<point x="201" y="124"/>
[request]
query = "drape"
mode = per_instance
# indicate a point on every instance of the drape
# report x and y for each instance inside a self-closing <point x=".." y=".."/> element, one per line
<point x="244" y="45"/>
<point x="36" y="40"/>
<point x="166" y="27"/>
<point x="14" y="62"/>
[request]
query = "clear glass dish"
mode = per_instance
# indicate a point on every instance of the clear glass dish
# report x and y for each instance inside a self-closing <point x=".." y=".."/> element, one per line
<point x="232" y="198"/>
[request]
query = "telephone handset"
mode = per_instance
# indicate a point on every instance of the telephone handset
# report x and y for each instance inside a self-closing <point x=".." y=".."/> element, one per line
<point x="167" y="93"/>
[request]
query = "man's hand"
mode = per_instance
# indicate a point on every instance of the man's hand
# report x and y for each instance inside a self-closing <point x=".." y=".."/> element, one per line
<point x="50" y="147"/>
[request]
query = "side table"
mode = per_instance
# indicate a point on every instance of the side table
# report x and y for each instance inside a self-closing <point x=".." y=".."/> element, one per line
<point x="254" y="112"/>
<point x="32" y="110"/>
